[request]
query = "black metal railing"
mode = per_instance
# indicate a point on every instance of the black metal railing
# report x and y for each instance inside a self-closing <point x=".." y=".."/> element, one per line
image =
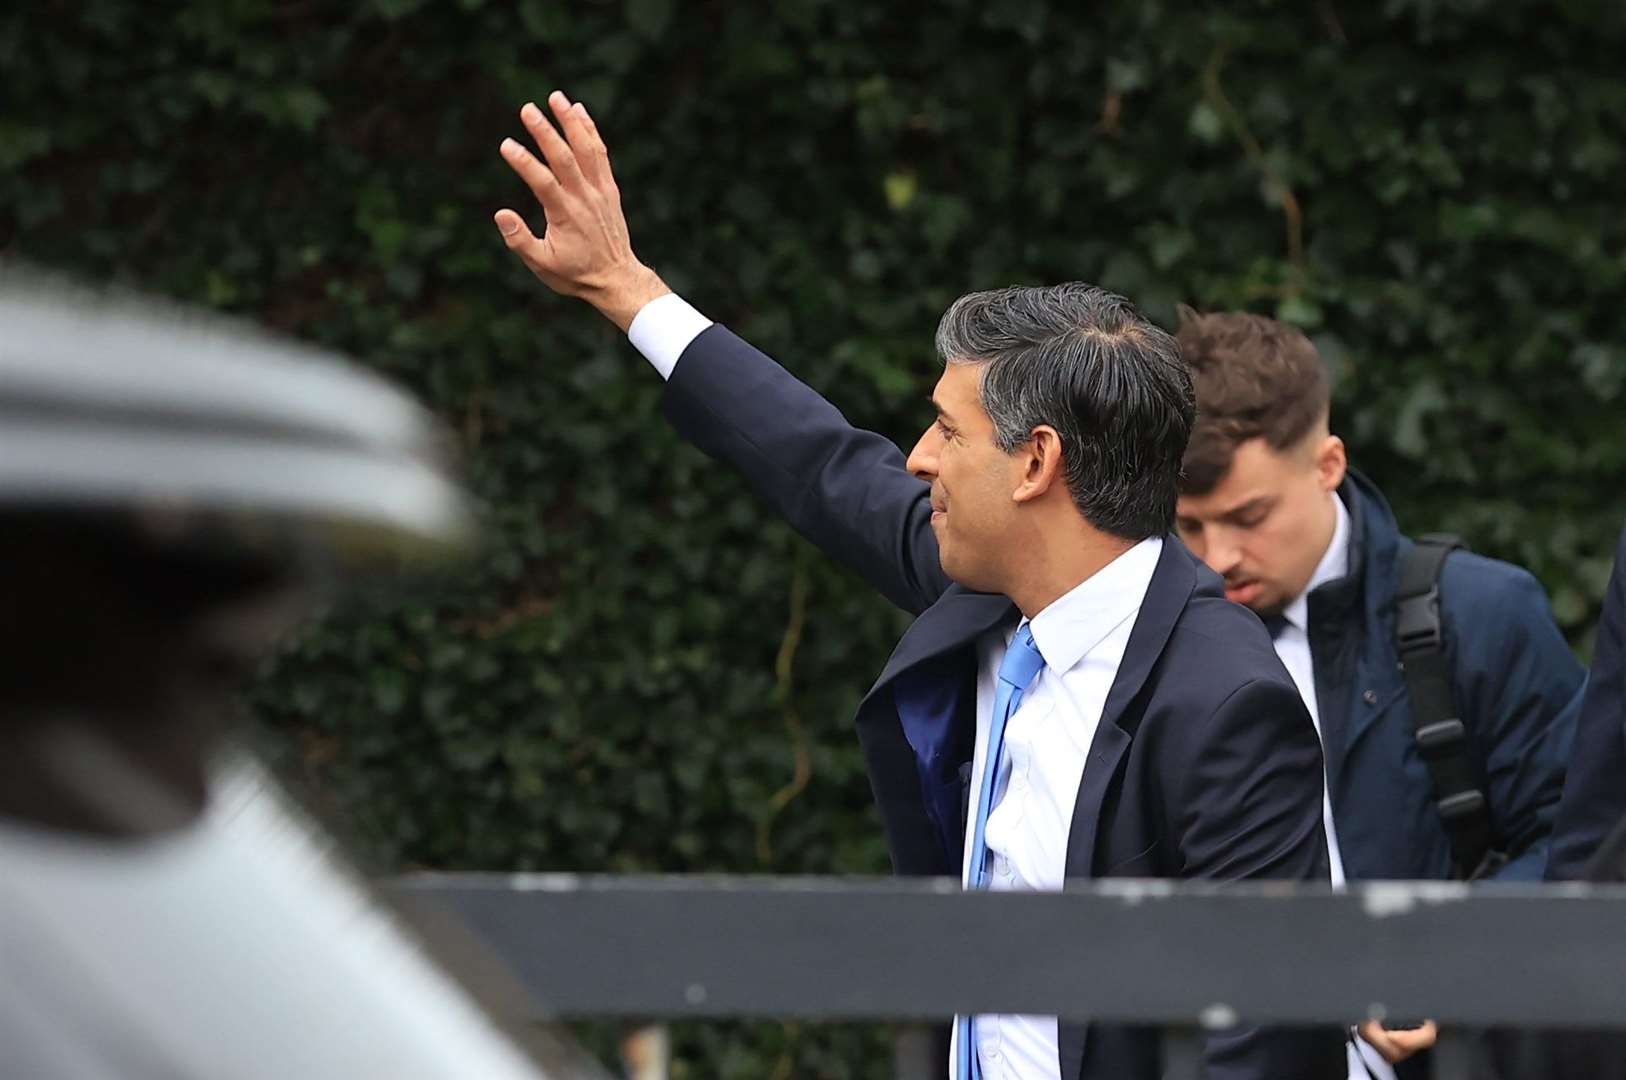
<point x="1187" y="956"/>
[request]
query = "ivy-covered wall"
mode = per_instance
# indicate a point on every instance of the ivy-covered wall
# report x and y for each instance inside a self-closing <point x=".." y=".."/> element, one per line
<point x="642" y="670"/>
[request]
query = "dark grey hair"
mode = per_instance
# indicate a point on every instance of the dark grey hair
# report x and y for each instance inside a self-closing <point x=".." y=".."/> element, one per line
<point x="1112" y="384"/>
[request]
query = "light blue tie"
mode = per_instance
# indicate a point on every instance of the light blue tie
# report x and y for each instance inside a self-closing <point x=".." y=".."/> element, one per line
<point x="1022" y="662"/>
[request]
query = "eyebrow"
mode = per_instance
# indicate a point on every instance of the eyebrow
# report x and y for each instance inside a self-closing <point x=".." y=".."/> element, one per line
<point x="1261" y="502"/>
<point x="942" y="413"/>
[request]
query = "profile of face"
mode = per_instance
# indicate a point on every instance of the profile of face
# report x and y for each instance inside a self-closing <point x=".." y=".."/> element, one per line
<point x="977" y="488"/>
<point x="1268" y="521"/>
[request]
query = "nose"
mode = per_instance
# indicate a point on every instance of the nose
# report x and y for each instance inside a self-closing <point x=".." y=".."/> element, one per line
<point x="923" y="458"/>
<point x="1220" y="551"/>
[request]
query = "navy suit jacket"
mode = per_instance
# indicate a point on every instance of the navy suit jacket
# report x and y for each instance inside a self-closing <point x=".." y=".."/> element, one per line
<point x="1594" y="800"/>
<point x="1204" y="764"/>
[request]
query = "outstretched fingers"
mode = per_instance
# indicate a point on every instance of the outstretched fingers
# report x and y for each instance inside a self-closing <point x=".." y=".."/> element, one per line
<point x="585" y="250"/>
<point x="538" y="177"/>
<point x="560" y="157"/>
<point x="585" y="143"/>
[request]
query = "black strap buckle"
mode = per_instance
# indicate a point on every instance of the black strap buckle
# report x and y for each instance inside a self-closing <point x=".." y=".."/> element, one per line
<point x="1461" y="805"/>
<point x="1417" y="621"/>
<point x="1442" y="736"/>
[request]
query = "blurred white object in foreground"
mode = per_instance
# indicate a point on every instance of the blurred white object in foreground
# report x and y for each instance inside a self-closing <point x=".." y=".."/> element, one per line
<point x="231" y="949"/>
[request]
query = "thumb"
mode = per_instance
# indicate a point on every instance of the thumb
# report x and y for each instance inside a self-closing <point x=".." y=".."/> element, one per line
<point x="519" y="238"/>
<point x="522" y="242"/>
<point x="511" y="225"/>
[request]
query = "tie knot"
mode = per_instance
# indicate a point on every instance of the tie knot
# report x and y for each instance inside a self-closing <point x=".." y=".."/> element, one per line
<point x="1022" y="659"/>
<point x="1276" y="624"/>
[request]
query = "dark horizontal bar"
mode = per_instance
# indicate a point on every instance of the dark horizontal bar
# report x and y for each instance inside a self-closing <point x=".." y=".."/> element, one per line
<point x="1143" y="951"/>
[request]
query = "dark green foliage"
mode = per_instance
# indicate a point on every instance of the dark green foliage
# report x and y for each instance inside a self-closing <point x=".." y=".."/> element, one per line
<point x="1431" y="187"/>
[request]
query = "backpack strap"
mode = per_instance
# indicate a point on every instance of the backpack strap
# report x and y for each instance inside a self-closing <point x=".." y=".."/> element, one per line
<point x="1442" y="737"/>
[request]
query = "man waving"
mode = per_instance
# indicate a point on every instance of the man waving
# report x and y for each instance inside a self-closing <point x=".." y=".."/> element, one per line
<point x="1076" y="698"/>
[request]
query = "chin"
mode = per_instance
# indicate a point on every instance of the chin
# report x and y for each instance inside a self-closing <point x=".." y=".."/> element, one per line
<point x="969" y="577"/>
<point x="1267" y="606"/>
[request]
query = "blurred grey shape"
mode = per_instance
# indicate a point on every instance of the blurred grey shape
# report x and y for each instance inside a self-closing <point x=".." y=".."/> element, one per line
<point x="233" y="948"/>
<point x="111" y="401"/>
<point x="176" y="491"/>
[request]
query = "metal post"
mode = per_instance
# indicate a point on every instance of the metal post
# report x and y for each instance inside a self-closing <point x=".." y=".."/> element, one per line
<point x="1182" y="1052"/>
<point x="915" y="1054"/>
<point x="1452" y="1055"/>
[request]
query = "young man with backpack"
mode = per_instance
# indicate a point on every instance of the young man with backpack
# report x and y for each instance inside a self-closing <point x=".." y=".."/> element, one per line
<point x="1444" y="693"/>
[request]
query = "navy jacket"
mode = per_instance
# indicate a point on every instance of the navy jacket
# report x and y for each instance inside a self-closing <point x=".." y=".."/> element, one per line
<point x="1204" y="765"/>
<point x="1595" y="794"/>
<point x="1516" y="684"/>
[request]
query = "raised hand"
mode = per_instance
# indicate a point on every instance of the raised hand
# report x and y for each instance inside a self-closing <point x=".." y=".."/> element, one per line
<point x="584" y="251"/>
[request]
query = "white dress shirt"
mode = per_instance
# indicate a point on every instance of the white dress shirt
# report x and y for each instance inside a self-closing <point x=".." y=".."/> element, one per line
<point x="1082" y="637"/>
<point x="1293" y="646"/>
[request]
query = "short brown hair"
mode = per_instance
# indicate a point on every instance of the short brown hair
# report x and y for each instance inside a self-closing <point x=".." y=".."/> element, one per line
<point x="1255" y="378"/>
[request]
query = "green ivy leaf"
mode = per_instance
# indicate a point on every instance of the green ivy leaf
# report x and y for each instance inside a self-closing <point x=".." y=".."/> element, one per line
<point x="649" y="17"/>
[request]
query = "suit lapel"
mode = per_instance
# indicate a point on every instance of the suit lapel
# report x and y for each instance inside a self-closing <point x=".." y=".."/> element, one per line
<point x="958" y="618"/>
<point x="927" y="695"/>
<point x="1172" y="584"/>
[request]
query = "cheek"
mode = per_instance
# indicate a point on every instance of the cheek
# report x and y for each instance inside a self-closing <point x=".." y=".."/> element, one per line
<point x="1264" y="546"/>
<point x="994" y="486"/>
<point x="944" y="473"/>
<point x="967" y="490"/>
<point x="1276" y="545"/>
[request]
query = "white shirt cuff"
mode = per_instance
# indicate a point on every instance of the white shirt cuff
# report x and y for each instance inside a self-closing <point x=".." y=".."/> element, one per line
<point x="663" y="328"/>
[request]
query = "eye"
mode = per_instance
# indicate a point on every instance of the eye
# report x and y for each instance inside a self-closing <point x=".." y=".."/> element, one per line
<point x="948" y="432"/>
<point x="1249" y="521"/>
<point x="1186" y="526"/>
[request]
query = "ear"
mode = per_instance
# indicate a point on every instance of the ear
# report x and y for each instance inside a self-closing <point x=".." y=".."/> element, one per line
<point x="1040" y="462"/>
<point x="1330" y="463"/>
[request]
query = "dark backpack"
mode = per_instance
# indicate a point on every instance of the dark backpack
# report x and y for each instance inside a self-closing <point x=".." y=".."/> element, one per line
<point x="1442" y="737"/>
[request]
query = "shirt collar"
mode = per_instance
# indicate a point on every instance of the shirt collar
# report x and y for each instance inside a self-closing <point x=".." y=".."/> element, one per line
<point x="1334" y="564"/>
<point x="1080" y="619"/>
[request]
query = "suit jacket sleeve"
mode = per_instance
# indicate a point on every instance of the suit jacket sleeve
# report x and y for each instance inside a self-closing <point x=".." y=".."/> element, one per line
<point x="1594" y="799"/>
<point x="1251" y="794"/>
<point x="1251" y="808"/>
<point x="1519" y="688"/>
<point x="845" y="489"/>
